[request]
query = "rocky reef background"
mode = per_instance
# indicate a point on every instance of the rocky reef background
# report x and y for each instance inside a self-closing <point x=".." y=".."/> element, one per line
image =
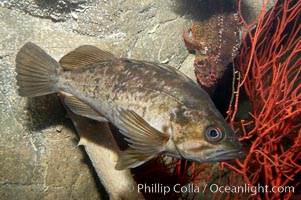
<point x="39" y="156"/>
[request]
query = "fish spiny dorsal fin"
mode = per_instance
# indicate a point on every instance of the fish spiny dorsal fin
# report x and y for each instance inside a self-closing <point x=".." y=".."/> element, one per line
<point x="80" y="108"/>
<point x="168" y="68"/>
<point x="85" y="56"/>
<point x="145" y="141"/>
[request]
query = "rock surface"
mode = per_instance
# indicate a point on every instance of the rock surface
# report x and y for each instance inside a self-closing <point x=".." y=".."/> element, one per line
<point x="39" y="156"/>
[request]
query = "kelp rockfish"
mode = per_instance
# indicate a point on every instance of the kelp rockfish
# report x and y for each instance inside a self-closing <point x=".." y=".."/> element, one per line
<point x="157" y="108"/>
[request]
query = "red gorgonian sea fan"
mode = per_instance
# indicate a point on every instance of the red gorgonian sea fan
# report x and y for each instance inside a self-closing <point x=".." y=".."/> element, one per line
<point x="269" y="64"/>
<point x="268" y="70"/>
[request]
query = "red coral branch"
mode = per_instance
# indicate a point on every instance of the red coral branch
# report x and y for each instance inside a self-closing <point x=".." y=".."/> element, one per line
<point x="270" y="65"/>
<point x="268" y="70"/>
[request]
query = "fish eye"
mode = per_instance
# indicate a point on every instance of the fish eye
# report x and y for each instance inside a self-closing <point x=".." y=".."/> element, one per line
<point x="213" y="134"/>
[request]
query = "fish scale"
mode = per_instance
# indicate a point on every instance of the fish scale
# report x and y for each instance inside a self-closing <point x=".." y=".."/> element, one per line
<point x="125" y="92"/>
<point x="156" y="107"/>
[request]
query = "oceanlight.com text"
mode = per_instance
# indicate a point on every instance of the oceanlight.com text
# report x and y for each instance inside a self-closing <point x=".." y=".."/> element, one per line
<point x="254" y="189"/>
<point x="159" y="188"/>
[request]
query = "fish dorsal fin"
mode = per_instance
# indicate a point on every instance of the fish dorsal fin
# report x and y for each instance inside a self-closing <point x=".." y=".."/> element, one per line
<point x="85" y="56"/>
<point x="145" y="141"/>
<point x="168" y="68"/>
<point x="80" y="108"/>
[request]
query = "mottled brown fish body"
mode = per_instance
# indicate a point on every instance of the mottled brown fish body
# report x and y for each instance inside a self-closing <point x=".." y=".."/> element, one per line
<point x="151" y="91"/>
<point x="156" y="107"/>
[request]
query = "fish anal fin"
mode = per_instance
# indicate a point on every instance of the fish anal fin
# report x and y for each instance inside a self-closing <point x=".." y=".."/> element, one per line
<point x="131" y="158"/>
<point x="86" y="56"/>
<point x="80" y="108"/>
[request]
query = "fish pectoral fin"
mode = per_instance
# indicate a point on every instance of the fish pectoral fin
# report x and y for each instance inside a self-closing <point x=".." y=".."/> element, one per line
<point x="80" y="108"/>
<point x="131" y="158"/>
<point x="142" y="137"/>
<point x="85" y="56"/>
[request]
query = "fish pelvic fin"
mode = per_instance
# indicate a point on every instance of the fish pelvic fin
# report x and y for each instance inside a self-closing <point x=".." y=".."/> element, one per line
<point x="131" y="158"/>
<point x="145" y="142"/>
<point x="86" y="56"/>
<point x="37" y="72"/>
<point x="80" y="108"/>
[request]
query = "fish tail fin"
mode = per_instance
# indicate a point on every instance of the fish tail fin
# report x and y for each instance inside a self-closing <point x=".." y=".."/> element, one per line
<point x="37" y="72"/>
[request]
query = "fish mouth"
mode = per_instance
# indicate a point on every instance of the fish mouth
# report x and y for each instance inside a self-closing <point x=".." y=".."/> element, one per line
<point x="225" y="155"/>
